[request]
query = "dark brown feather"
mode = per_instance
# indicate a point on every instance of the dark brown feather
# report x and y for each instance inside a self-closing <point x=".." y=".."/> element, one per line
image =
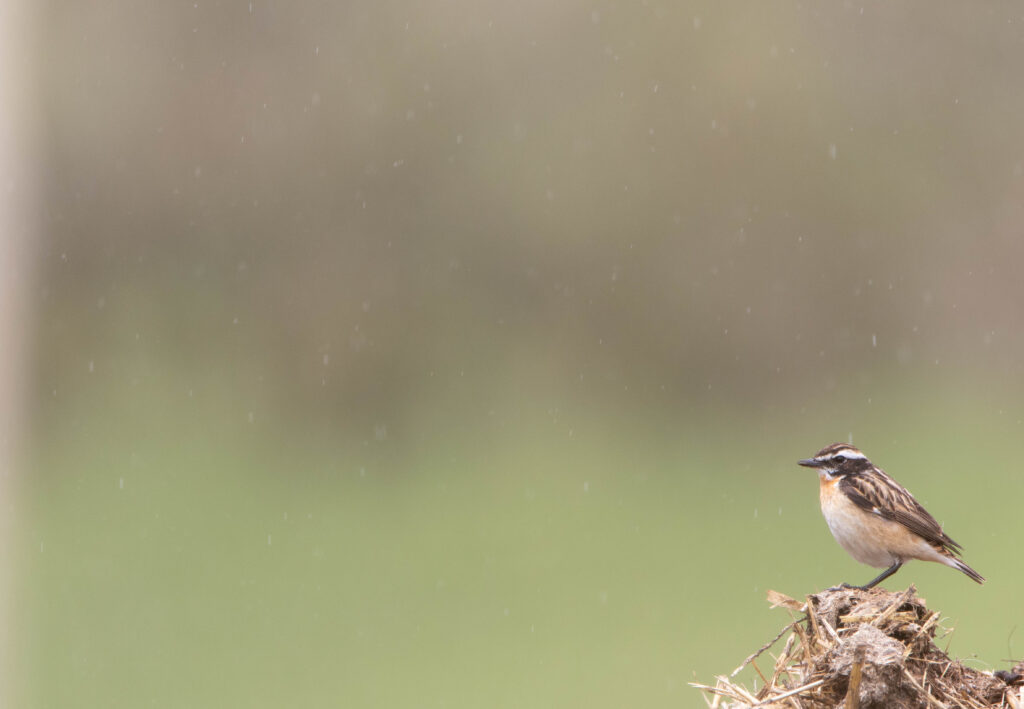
<point x="879" y="494"/>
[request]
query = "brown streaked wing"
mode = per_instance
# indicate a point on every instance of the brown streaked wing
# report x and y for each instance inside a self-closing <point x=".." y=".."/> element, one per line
<point x="877" y="491"/>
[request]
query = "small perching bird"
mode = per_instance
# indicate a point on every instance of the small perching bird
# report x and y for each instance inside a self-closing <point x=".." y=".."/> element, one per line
<point x="876" y="519"/>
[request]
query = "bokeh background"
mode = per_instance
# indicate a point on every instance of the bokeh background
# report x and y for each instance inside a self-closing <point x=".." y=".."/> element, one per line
<point x="459" y="354"/>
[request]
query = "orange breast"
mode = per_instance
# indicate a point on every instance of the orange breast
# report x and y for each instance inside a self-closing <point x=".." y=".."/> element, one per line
<point x="828" y="490"/>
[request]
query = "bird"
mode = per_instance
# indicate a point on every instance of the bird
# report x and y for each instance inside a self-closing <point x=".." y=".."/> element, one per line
<point x="875" y="519"/>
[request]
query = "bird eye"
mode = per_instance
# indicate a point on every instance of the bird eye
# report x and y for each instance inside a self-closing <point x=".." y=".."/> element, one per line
<point x="840" y="459"/>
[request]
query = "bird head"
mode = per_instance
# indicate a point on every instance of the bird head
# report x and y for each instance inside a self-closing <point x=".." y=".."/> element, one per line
<point x="837" y="460"/>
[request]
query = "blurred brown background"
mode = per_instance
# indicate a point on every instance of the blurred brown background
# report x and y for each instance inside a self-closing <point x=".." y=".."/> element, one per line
<point x="424" y="267"/>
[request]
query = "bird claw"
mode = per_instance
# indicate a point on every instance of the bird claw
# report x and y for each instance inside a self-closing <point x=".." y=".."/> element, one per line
<point x="846" y="587"/>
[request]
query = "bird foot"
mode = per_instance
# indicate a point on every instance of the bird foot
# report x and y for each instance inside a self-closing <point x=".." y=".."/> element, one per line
<point x="847" y="587"/>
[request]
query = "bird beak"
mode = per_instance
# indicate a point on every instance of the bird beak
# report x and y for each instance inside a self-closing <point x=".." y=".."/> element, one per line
<point x="809" y="463"/>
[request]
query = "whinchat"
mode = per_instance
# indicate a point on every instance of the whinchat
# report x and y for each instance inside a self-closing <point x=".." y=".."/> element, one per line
<point x="876" y="519"/>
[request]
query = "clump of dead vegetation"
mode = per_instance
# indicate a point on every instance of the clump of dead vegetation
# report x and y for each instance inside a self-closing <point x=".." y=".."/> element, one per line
<point x="864" y="650"/>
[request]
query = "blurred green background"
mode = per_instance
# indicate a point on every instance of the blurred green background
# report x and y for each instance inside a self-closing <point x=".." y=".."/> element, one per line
<point x="459" y="354"/>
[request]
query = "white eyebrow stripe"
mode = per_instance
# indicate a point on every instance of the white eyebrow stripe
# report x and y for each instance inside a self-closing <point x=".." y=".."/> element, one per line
<point x="846" y="453"/>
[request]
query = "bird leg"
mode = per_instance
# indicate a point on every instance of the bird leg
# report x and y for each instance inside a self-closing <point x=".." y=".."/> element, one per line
<point x="878" y="579"/>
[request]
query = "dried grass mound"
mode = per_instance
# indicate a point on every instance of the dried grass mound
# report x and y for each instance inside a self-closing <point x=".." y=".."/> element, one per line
<point x="864" y="650"/>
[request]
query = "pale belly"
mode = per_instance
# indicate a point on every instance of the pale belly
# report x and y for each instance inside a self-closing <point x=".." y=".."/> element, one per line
<point x="858" y="535"/>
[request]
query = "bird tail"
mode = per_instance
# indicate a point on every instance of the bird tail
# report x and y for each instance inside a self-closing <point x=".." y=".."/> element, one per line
<point x="957" y="564"/>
